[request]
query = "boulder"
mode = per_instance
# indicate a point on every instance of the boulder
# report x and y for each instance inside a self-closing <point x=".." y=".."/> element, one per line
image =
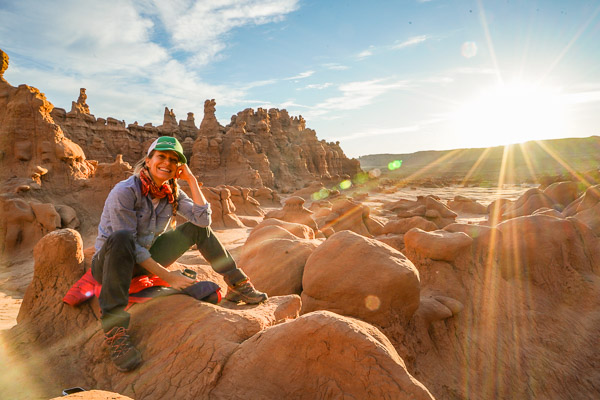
<point x="294" y="211"/>
<point x="274" y="260"/>
<point x="562" y="193"/>
<point x="299" y="230"/>
<point x="347" y="214"/>
<point x="319" y="355"/>
<point x="462" y="204"/>
<point x="360" y="277"/>
<point x="530" y="201"/>
<point x="403" y="225"/>
<point x="550" y="252"/>
<point x="437" y="245"/>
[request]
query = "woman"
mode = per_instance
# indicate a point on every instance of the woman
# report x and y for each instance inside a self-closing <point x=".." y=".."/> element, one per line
<point x="133" y="239"/>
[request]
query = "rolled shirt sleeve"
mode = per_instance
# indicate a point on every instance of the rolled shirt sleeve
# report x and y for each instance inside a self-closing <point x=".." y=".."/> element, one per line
<point x="196" y="214"/>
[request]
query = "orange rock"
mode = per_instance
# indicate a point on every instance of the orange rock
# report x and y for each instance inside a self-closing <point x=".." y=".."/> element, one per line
<point x="437" y="245"/>
<point x="316" y="356"/>
<point x="362" y="278"/>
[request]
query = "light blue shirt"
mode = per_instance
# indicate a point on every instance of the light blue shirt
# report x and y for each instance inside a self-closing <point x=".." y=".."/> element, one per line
<point x="126" y="208"/>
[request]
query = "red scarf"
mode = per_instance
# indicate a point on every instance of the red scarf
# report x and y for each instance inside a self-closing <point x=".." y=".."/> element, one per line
<point x="148" y="186"/>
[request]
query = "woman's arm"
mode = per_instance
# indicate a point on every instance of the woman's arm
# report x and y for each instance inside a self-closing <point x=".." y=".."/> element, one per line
<point x="184" y="172"/>
<point x="174" y="278"/>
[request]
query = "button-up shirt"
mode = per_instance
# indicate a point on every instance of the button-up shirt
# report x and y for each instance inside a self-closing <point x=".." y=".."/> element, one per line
<point x="126" y="208"/>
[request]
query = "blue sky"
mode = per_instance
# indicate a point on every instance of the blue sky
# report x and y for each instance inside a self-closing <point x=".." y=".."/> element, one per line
<point x="379" y="76"/>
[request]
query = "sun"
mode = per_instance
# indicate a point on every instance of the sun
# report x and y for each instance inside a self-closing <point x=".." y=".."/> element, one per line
<point x="512" y="113"/>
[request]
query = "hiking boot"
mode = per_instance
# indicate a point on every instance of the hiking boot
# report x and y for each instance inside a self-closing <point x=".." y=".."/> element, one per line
<point x="245" y="291"/>
<point x="122" y="352"/>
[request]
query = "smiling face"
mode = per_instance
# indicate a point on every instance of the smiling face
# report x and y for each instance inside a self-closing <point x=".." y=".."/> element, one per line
<point x="162" y="166"/>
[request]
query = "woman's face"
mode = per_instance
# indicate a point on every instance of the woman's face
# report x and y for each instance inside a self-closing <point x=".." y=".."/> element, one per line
<point x="162" y="166"/>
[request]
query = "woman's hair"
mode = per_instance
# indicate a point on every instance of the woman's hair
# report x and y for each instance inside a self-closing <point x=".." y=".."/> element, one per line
<point x="141" y="164"/>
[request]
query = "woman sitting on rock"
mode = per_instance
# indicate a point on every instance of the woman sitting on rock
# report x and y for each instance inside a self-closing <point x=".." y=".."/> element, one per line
<point x="133" y="240"/>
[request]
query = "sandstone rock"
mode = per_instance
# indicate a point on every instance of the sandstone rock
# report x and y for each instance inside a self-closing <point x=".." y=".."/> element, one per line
<point x="431" y="310"/>
<point x="562" y="193"/>
<point x="276" y="265"/>
<point x="529" y="202"/>
<point x="315" y="356"/>
<point x="223" y="209"/>
<point x="374" y="224"/>
<point x="589" y="200"/>
<point x="298" y="230"/>
<point x="405" y="224"/>
<point x="536" y="247"/>
<point x="393" y="240"/>
<point x="463" y="204"/>
<point x="428" y="207"/>
<point x="19" y="224"/>
<point x="266" y="197"/>
<point x="95" y="395"/>
<point x="590" y="217"/>
<point x="437" y="245"/>
<point x="294" y="211"/>
<point x="68" y="216"/>
<point x="349" y="215"/>
<point x="187" y="357"/>
<point x="486" y="241"/>
<point x="243" y="202"/>
<point x="360" y="277"/>
<point x="548" y="211"/>
<point x="46" y="215"/>
<point x="260" y="148"/>
<point x="33" y="145"/>
<point x="496" y="208"/>
<point x="3" y="65"/>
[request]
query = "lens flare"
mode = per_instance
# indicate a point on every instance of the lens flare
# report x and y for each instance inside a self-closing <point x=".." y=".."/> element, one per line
<point x="468" y="49"/>
<point x="394" y="165"/>
<point x="320" y="195"/>
<point x="372" y="302"/>
<point x="345" y="184"/>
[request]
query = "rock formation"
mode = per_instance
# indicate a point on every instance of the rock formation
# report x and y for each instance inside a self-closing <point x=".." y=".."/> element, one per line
<point x="198" y="350"/>
<point x="3" y="65"/>
<point x="104" y="139"/>
<point x="267" y="148"/>
<point x="35" y="159"/>
<point x="362" y="278"/>
<point x="428" y="207"/>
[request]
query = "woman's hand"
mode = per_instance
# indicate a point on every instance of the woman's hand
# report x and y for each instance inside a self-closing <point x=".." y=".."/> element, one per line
<point x="184" y="172"/>
<point x="179" y="281"/>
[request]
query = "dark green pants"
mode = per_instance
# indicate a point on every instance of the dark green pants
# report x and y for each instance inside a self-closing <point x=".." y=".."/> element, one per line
<point x="114" y="265"/>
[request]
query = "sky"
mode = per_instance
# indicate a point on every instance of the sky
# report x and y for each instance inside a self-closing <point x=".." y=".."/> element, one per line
<point x="379" y="77"/>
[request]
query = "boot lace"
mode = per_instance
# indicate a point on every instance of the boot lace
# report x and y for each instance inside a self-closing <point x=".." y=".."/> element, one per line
<point x="118" y="340"/>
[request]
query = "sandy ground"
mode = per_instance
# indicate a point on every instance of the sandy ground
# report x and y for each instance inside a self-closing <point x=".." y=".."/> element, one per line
<point x="16" y="275"/>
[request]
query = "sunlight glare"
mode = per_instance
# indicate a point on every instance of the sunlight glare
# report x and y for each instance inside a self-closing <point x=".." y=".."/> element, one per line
<point x="512" y="113"/>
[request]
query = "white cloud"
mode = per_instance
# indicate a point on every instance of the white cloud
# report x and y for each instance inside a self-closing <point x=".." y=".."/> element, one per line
<point x="356" y="95"/>
<point x="301" y="75"/>
<point x="266" y="82"/>
<point x="410" y="42"/>
<point x="133" y="56"/>
<point x="318" y="86"/>
<point x="365" y="53"/>
<point x="335" y="66"/>
<point x="438" y="80"/>
<point x="200" y="27"/>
